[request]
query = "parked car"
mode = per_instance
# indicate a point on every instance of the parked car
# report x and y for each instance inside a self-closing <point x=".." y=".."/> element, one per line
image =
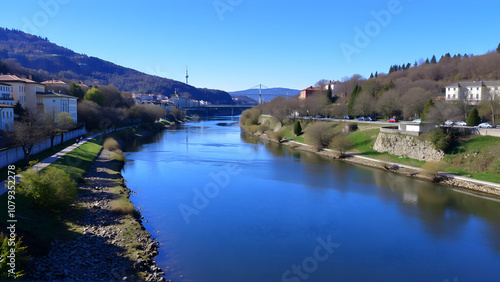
<point x="368" y="119"/>
<point x="461" y="123"/>
<point x="417" y="120"/>
<point x="347" y="117"/>
<point x="448" y="122"/>
<point x="361" y="118"/>
<point x="320" y="116"/>
<point x="485" y="125"/>
<point x="393" y="120"/>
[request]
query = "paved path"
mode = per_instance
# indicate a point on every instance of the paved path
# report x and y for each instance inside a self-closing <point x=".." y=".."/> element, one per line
<point x="50" y="160"/>
<point x="449" y="175"/>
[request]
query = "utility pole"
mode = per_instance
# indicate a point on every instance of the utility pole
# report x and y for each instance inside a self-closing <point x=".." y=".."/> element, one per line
<point x="187" y="76"/>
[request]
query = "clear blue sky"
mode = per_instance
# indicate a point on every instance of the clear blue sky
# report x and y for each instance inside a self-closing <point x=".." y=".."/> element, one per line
<point x="237" y="44"/>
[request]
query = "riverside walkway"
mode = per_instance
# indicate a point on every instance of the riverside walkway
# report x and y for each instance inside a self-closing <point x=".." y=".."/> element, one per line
<point x="44" y="163"/>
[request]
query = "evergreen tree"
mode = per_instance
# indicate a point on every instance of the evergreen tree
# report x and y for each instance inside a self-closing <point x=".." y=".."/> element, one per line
<point x="473" y="118"/>
<point x="447" y="55"/>
<point x="415" y="65"/>
<point x="427" y="61"/>
<point x="433" y="60"/>
<point x="19" y="111"/>
<point x="428" y="106"/>
<point x="76" y="90"/>
<point x="371" y="75"/>
<point x="498" y="48"/>
<point x="297" y="128"/>
<point x="408" y="66"/>
<point x="329" y="93"/>
<point x="376" y="74"/>
<point x="352" y="99"/>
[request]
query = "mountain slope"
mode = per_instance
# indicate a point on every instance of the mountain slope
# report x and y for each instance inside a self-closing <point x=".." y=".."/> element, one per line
<point x="267" y="94"/>
<point x="28" y="54"/>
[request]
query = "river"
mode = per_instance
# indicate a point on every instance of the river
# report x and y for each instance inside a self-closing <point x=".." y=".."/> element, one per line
<point x="227" y="206"/>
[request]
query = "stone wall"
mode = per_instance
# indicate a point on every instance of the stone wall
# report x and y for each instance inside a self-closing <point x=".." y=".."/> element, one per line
<point x="407" y="146"/>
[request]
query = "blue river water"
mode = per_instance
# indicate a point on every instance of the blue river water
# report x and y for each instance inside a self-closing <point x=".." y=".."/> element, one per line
<point x="226" y="206"/>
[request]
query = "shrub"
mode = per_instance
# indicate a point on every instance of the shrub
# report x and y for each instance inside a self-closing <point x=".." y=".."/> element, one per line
<point x="442" y="139"/>
<point x="319" y="134"/>
<point x="250" y="117"/>
<point x="276" y="135"/>
<point x="110" y="144"/>
<point x="342" y="144"/>
<point x="350" y="127"/>
<point x="4" y="260"/>
<point x="262" y="128"/>
<point x="251" y="128"/>
<point x="297" y="128"/>
<point x="122" y="206"/>
<point x="50" y="188"/>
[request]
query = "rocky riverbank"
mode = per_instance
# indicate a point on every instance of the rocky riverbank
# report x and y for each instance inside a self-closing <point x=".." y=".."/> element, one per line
<point x="441" y="178"/>
<point x="112" y="243"/>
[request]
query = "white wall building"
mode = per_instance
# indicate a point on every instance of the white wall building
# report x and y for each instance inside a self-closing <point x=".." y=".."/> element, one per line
<point x="55" y="103"/>
<point x="5" y="94"/>
<point x="473" y="92"/>
<point x="6" y="116"/>
<point x="332" y="85"/>
<point x="23" y="90"/>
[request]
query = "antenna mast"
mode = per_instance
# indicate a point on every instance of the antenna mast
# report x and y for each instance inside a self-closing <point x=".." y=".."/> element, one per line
<point x="187" y="76"/>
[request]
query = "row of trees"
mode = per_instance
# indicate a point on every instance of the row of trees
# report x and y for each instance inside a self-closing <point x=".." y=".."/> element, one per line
<point x="31" y="128"/>
<point x="99" y="108"/>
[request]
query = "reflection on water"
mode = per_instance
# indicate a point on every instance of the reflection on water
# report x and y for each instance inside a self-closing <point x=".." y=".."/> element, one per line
<point x="269" y="216"/>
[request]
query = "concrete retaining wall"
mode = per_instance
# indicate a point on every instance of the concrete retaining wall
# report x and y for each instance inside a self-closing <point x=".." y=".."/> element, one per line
<point x="12" y="155"/>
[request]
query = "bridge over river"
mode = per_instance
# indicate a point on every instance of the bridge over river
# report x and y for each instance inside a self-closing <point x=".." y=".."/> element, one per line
<point x="217" y="110"/>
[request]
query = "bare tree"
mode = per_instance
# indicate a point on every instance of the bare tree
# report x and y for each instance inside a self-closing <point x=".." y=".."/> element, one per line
<point x="64" y="123"/>
<point x="319" y="134"/>
<point x="364" y="104"/>
<point x="27" y="132"/>
<point x="342" y="144"/>
<point x="314" y="105"/>
<point x="388" y="103"/>
<point x="321" y="83"/>
<point x="490" y="102"/>
<point x="442" y="112"/>
<point x="414" y="100"/>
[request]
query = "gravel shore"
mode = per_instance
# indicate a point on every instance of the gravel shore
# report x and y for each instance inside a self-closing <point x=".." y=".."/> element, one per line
<point x="111" y="245"/>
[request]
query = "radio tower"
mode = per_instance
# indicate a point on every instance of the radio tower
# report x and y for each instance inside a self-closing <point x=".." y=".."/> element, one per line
<point x="187" y="76"/>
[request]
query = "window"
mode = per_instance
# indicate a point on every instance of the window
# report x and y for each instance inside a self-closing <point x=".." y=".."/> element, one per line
<point x="477" y="96"/>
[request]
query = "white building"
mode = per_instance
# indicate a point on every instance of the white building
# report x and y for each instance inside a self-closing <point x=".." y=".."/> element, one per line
<point x="55" y="103"/>
<point x="23" y="90"/>
<point x="472" y="92"/>
<point x="6" y="116"/>
<point x="6" y="106"/>
<point x="5" y="94"/>
<point x="332" y="85"/>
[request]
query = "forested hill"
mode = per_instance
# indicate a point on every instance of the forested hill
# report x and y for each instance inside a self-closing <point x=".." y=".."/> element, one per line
<point x="26" y="54"/>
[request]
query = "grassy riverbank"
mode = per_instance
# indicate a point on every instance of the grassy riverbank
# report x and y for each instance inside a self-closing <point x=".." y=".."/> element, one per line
<point x="41" y="228"/>
<point x="476" y="157"/>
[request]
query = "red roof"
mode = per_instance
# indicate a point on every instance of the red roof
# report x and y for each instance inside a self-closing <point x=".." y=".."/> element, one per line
<point x="15" y="78"/>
